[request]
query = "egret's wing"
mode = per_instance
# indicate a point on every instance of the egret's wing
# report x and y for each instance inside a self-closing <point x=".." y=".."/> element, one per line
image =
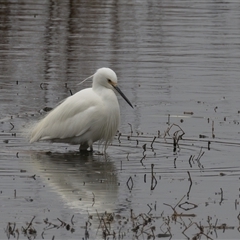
<point x="73" y="117"/>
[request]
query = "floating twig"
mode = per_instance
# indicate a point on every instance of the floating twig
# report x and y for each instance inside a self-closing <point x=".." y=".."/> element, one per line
<point x="25" y="229"/>
<point x="153" y="142"/>
<point x="119" y="135"/>
<point x="198" y="235"/>
<point x="199" y="157"/>
<point x="213" y="135"/>
<point x="189" y="208"/>
<point x="11" y="230"/>
<point x="86" y="231"/>
<point x="190" y="186"/>
<point x="93" y="199"/>
<point x="12" y="126"/>
<point x="154" y="180"/>
<point x="130" y="181"/>
<point x="131" y="128"/>
<point x="141" y="161"/>
<point x="221" y="196"/>
<point x="63" y="224"/>
<point x="209" y="143"/>
<point x="150" y="208"/>
<point x="191" y="157"/>
<point x="144" y="148"/>
<point x="177" y="135"/>
<point x="168" y="122"/>
<point x="72" y="220"/>
<point x="174" y="162"/>
<point x="104" y="227"/>
<point x="188" y="113"/>
<point x="175" y="214"/>
<point x="33" y="176"/>
<point x="236" y="203"/>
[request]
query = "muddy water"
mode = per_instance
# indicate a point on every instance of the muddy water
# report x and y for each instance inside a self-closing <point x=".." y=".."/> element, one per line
<point x="178" y="63"/>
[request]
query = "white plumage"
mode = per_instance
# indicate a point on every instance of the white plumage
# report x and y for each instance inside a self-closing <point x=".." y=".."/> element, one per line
<point x="89" y="115"/>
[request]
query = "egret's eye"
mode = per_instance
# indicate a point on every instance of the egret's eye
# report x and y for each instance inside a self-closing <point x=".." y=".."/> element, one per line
<point x="109" y="81"/>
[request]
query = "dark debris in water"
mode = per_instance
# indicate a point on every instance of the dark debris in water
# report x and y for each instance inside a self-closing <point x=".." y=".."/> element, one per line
<point x="117" y="226"/>
<point x="29" y="230"/>
<point x="142" y="225"/>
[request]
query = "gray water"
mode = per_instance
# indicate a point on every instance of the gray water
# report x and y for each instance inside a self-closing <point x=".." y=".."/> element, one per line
<point x="178" y="63"/>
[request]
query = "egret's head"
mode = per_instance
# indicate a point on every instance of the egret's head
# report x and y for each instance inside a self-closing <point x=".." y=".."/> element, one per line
<point x="107" y="78"/>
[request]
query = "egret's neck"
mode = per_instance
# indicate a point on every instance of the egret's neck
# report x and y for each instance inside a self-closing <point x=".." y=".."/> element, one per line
<point x="101" y="90"/>
<point x="106" y="94"/>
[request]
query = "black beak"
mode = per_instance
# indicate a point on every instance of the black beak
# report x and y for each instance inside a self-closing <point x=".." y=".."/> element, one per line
<point x="122" y="94"/>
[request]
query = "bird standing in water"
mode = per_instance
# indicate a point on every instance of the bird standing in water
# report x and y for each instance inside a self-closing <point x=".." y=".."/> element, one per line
<point x="89" y="115"/>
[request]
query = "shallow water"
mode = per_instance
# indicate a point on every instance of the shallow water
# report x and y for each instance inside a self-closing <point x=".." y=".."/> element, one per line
<point x="178" y="63"/>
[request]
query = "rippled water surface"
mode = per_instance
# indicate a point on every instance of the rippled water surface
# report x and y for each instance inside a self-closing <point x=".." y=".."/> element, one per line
<point x="178" y="63"/>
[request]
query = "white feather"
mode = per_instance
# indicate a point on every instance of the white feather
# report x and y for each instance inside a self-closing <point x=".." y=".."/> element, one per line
<point x="88" y="116"/>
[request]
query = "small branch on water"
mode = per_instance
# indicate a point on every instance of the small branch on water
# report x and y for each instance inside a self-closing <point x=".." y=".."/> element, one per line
<point x="199" y="157"/>
<point x="191" y="158"/>
<point x="221" y="197"/>
<point x="144" y="148"/>
<point x="119" y="135"/>
<point x="150" y="208"/>
<point x="209" y="143"/>
<point x="141" y="161"/>
<point x="131" y="129"/>
<point x="93" y="199"/>
<point x="174" y="162"/>
<point x="154" y="180"/>
<point x="131" y="182"/>
<point x="153" y="142"/>
<point x="176" y="214"/>
<point x="189" y="208"/>
<point x="213" y="135"/>
<point x="63" y="224"/>
<point x="72" y="220"/>
<point x="168" y="122"/>
<point x="177" y="135"/>
<point x="190" y="186"/>
<point x="12" y="126"/>
<point x="25" y="229"/>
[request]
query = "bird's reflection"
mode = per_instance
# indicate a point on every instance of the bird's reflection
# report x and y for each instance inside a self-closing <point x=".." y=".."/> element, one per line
<point x="84" y="181"/>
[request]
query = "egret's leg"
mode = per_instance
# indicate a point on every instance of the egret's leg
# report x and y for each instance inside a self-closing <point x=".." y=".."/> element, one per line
<point x="83" y="147"/>
<point x="90" y="143"/>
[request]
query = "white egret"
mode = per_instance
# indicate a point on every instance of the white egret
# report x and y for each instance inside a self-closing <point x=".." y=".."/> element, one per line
<point x="89" y="115"/>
